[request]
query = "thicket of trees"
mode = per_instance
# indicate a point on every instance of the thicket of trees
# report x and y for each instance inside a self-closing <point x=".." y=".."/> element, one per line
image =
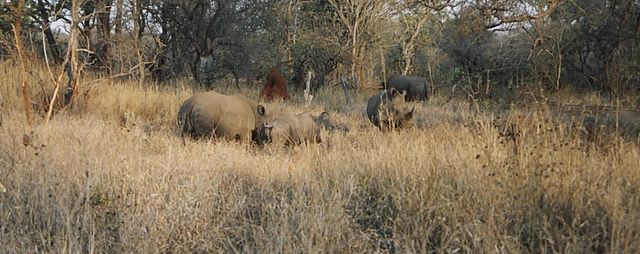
<point x="485" y="45"/>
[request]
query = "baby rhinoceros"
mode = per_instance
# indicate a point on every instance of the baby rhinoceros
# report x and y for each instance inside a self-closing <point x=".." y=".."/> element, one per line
<point x="290" y="130"/>
<point x="217" y="115"/>
<point x="388" y="110"/>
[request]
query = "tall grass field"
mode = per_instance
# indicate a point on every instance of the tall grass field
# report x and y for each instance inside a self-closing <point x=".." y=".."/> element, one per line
<point x="110" y="176"/>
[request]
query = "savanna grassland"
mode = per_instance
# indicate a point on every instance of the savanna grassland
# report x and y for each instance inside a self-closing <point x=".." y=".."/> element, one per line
<point x="109" y="176"/>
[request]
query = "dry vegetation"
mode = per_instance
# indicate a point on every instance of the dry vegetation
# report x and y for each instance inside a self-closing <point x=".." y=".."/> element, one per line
<point x="110" y="176"/>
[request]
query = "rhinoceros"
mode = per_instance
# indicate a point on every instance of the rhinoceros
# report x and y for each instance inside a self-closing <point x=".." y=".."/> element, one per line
<point x="291" y="129"/>
<point x="388" y="110"/>
<point x="217" y="115"/>
<point x="417" y="87"/>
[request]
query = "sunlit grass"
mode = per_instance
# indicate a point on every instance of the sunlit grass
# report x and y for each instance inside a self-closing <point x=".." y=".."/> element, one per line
<point x="110" y="176"/>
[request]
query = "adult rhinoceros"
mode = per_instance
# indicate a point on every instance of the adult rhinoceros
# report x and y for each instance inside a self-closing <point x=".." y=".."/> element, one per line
<point x="217" y="115"/>
<point x="417" y="87"/>
<point x="388" y="110"/>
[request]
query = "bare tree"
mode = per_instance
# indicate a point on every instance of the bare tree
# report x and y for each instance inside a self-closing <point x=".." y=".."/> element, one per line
<point x="291" y="23"/>
<point x="360" y="18"/>
<point x="509" y="11"/>
<point x="138" y="29"/>
<point x="117" y="21"/>
<point x="103" y="27"/>
<point x="44" y="11"/>
<point x="411" y="17"/>
<point x="73" y="67"/>
<point x="501" y="13"/>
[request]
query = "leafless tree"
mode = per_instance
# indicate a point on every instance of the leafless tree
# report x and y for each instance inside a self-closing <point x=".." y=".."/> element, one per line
<point x="361" y="19"/>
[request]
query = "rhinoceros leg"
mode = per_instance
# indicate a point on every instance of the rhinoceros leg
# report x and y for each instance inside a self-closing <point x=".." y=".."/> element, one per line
<point x="240" y="137"/>
<point x="211" y="136"/>
<point x="385" y="126"/>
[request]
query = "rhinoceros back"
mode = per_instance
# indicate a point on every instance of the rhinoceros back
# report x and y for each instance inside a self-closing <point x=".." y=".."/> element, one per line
<point x="292" y="130"/>
<point x="211" y="113"/>
<point x="416" y="87"/>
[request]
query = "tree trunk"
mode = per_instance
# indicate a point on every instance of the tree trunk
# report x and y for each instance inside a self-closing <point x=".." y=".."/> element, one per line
<point x="409" y="45"/>
<point x="17" y="30"/>
<point x="308" y="97"/>
<point x="103" y="10"/>
<point x="407" y="63"/>
<point x="118" y="18"/>
<point x="354" y="49"/>
<point x="384" y="69"/>
<point x="138" y="27"/>
<point x="73" y="70"/>
<point x="53" y="46"/>
<point x="291" y="30"/>
<point x="86" y="9"/>
<point x="51" y="40"/>
<point x="429" y="68"/>
<point x="194" y="67"/>
<point x="347" y="90"/>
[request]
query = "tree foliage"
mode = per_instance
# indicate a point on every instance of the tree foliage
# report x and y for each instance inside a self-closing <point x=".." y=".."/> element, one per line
<point x="590" y="44"/>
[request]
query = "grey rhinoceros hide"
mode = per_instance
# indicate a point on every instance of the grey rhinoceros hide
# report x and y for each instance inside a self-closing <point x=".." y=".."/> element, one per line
<point x="219" y="116"/>
<point x="417" y="88"/>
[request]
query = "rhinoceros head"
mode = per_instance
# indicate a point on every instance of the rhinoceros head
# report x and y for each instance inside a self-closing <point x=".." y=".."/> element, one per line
<point x="323" y="121"/>
<point x="395" y="112"/>
<point x="262" y="134"/>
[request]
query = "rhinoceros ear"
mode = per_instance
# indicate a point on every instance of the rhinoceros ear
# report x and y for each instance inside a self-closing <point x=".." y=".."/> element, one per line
<point x="403" y="93"/>
<point x="393" y="92"/>
<point x="267" y="130"/>
<point x="262" y="110"/>
<point x="323" y="116"/>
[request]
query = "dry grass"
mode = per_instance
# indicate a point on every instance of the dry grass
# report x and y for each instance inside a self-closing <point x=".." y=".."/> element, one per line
<point x="111" y="177"/>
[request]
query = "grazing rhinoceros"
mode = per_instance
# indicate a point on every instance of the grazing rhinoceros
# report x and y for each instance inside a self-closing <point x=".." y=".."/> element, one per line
<point x="291" y="129"/>
<point x="417" y="87"/>
<point x="388" y="110"/>
<point x="219" y="116"/>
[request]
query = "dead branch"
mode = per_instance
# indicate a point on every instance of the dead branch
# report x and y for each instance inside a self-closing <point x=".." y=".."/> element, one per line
<point x="498" y="12"/>
<point x="308" y="97"/>
<point x="438" y="6"/>
<point x="346" y="87"/>
<point x="53" y="79"/>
